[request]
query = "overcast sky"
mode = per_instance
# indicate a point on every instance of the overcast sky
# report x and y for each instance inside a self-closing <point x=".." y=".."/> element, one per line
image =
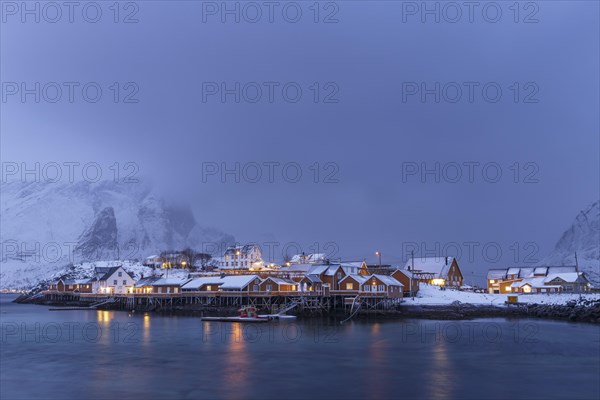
<point x="360" y="121"/>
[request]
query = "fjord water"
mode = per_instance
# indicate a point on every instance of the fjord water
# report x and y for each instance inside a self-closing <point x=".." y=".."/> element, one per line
<point x="105" y="354"/>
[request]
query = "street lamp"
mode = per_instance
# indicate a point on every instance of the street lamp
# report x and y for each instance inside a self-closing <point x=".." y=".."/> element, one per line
<point x="378" y="254"/>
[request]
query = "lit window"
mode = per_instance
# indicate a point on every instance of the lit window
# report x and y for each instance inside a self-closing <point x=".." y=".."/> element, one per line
<point x="349" y="286"/>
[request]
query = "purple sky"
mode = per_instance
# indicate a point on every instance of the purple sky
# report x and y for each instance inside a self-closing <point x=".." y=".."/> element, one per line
<point x="365" y="126"/>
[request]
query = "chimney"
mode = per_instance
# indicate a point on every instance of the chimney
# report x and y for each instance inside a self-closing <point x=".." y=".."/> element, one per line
<point x="446" y="260"/>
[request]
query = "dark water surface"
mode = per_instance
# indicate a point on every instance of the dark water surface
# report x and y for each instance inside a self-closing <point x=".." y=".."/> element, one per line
<point x="109" y="355"/>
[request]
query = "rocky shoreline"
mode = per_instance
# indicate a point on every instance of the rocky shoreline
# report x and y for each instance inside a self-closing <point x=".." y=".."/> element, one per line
<point x="574" y="311"/>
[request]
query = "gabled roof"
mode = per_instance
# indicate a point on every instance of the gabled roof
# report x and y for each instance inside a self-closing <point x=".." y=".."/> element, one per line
<point x="537" y="282"/>
<point x="404" y="272"/>
<point x="280" y="281"/>
<point x="386" y="279"/>
<point x="313" y="278"/>
<point x="332" y="269"/>
<point x="104" y="273"/>
<point x="245" y="249"/>
<point x="569" y="277"/>
<point x="317" y="269"/>
<point x="438" y="266"/>
<point x="358" y="278"/>
<point x="196" y="283"/>
<point x="237" y="281"/>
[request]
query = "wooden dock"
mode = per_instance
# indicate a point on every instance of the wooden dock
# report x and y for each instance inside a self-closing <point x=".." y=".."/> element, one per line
<point x="275" y="302"/>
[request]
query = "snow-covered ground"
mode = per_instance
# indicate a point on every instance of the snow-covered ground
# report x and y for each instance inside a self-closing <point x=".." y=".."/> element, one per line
<point x="432" y="295"/>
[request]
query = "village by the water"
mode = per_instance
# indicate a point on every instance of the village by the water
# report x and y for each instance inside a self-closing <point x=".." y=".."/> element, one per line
<point x="241" y="286"/>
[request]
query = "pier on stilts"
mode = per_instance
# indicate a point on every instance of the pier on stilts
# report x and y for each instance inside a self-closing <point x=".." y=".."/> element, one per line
<point x="306" y="303"/>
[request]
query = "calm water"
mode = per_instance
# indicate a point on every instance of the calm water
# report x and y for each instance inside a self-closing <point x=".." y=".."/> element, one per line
<point x="109" y="355"/>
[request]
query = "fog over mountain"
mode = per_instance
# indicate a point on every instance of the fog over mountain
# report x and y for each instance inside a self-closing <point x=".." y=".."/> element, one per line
<point x="48" y="225"/>
<point x="583" y="238"/>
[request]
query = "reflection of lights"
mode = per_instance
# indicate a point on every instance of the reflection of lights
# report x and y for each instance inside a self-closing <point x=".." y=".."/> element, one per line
<point x="146" y="335"/>
<point x="442" y="379"/>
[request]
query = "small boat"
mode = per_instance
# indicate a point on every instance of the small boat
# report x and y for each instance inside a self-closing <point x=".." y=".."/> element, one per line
<point x="247" y="314"/>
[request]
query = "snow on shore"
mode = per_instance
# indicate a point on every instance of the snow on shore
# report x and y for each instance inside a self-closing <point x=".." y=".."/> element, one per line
<point x="432" y="295"/>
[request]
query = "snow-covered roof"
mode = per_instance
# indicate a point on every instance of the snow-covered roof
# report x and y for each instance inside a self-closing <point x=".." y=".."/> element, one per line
<point x="496" y="274"/>
<point x="280" y="281"/>
<point x="386" y="279"/>
<point x="148" y="281"/>
<point x="540" y="270"/>
<point x="317" y="269"/>
<point x="358" y="278"/>
<point x="314" y="278"/>
<point x="104" y="273"/>
<point x="537" y="282"/>
<point x="196" y="283"/>
<point x="405" y="272"/>
<point x="570" y="277"/>
<point x="355" y="264"/>
<point x="297" y="268"/>
<point x="244" y="250"/>
<point x="557" y="270"/>
<point x="513" y="271"/>
<point x="332" y="269"/>
<point x="308" y="258"/>
<point x="526" y="272"/>
<point x="432" y="265"/>
<point x="171" y="282"/>
<point x="237" y="281"/>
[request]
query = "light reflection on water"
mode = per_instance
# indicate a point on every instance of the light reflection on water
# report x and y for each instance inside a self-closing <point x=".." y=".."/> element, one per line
<point x="183" y="357"/>
<point x="441" y="374"/>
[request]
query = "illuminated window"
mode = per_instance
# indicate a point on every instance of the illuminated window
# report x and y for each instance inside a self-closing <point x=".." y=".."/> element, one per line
<point x="349" y="286"/>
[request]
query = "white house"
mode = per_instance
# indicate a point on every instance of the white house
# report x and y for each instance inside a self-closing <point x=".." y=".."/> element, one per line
<point x="112" y="280"/>
<point x="314" y="258"/>
<point x="242" y="257"/>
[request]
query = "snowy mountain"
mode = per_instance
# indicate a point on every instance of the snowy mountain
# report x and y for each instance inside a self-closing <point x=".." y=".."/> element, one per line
<point x="583" y="238"/>
<point x="45" y="226"/>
